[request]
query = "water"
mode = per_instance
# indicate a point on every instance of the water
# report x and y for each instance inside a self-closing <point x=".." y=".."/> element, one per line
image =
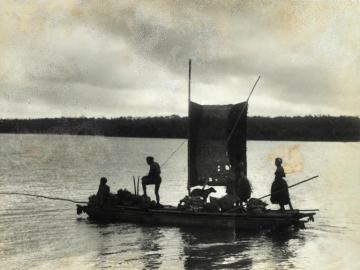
<point x="45" y="234"/>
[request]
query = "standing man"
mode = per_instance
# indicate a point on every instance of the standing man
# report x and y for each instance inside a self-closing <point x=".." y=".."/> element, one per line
<point x="153" y="177"/>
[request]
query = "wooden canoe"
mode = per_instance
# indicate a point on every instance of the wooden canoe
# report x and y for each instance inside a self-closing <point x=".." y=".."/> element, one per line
<point x="171" y="216"/>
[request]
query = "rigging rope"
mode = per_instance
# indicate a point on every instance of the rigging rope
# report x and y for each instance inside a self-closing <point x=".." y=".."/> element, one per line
<point x="173" y="153"/>
<point x="40" y="196"/>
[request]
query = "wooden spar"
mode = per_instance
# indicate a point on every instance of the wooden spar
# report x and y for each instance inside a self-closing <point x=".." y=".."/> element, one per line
<point x="138" y="181"/>
<point x="189" y="100"/>
<point x="301" y="182"/>
<point x="242" y="111"/>
<point x="40" y="196"/>
<point x="134" y="185"/>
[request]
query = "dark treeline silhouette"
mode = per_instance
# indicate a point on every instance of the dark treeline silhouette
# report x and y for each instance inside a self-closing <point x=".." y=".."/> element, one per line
<point x="308" y="128"/>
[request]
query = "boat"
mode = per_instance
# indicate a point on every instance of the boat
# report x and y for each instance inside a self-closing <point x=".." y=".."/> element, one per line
<point x="216" y="140"/>
<point x="171" y="216"/>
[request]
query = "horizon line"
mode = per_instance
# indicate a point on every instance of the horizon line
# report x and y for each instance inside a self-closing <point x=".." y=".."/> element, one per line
<point x="172" y="115"/>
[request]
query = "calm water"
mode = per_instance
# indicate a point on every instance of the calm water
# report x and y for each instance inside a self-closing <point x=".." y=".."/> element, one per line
<point x="45" y="234"/>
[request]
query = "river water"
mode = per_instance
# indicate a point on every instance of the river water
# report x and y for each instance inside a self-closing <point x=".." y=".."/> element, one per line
<point x="45" y="234"/>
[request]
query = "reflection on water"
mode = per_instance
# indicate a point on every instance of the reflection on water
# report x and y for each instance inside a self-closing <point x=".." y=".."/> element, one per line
<point x="239" y="250"/>
<point x="42" y="234"/>
<point x="204" y="248"/>
<point x="131" y="246"/>
<point x="151" y="247"/>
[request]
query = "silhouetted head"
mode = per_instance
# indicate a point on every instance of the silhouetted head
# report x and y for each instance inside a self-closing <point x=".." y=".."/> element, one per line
<point x="278" y="161"/>
<point x="103" y="180"/>
<point x="149" y="160"/>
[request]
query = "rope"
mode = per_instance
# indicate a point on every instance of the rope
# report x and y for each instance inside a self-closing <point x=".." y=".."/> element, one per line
<point x="40" y="196"/>
<point x="173" y="153"/>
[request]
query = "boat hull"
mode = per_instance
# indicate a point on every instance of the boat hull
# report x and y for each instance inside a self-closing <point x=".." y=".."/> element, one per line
<point x="179" y="218"/>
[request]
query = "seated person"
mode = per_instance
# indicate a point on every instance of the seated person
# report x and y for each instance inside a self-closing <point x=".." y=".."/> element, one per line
<point x="153" y="177"/>
<point x="103" y="191"/>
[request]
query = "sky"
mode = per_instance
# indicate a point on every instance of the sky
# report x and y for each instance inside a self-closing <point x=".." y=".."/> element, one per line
<point x="130" y="58"/>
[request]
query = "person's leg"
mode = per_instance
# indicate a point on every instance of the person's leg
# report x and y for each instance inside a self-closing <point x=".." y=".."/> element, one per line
<point x="282" y="208"/>
<point x="157" y="186"/>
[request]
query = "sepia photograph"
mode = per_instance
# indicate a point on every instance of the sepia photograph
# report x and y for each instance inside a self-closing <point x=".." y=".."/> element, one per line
<point x="179" y="134"/>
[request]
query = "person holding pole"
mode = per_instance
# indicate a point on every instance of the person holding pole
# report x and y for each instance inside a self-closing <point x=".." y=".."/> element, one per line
<point x="279" y="188"/>
<point x="153" y="177"/>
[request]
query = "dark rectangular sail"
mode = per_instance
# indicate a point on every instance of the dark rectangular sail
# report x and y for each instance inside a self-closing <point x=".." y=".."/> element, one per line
<point x="211" y="154"/>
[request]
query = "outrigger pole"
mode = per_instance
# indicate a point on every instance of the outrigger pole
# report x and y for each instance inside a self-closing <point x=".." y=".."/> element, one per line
<point x="242" y="111"/>
<point x="40" y="196"/>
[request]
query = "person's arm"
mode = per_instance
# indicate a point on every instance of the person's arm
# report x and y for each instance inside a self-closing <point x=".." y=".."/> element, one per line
<point x="283" y="172"/>
<point x="106" y="190"/>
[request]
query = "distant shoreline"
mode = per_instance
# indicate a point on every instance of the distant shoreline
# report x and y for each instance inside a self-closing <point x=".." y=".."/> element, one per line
<point x="304" y="128"/>
<point x="134" y="137"/>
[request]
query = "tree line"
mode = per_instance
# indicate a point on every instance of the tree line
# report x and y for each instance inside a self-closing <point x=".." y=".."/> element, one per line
<point x="304" y="128"/>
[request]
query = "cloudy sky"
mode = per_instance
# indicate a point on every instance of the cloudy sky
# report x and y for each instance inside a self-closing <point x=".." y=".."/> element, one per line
<point x="118" y="58"/>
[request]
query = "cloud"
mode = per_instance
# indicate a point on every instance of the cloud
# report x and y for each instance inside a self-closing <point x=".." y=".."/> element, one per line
<point x="140" y="49"/>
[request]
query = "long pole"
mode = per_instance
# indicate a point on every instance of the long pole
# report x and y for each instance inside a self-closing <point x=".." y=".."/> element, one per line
<point x="40" y="196"/>
<point x="189" y="100"/>
<point x="242" y="111"/>
<point x="301" y="182"/>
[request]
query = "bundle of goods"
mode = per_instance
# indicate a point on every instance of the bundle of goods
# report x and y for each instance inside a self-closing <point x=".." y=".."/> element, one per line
<point x="192" y="203"/>
<point x="126" y="198"/>
<point x="256" y="206"/>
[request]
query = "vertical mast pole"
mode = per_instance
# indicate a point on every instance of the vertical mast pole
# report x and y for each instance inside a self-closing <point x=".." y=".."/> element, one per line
<point x="189" y="99"/>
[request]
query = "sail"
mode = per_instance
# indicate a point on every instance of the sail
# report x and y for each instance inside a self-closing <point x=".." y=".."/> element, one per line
<point x="210" y="155"/>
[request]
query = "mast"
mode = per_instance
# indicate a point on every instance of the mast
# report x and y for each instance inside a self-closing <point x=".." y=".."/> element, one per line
<point x="188" y="145"/>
